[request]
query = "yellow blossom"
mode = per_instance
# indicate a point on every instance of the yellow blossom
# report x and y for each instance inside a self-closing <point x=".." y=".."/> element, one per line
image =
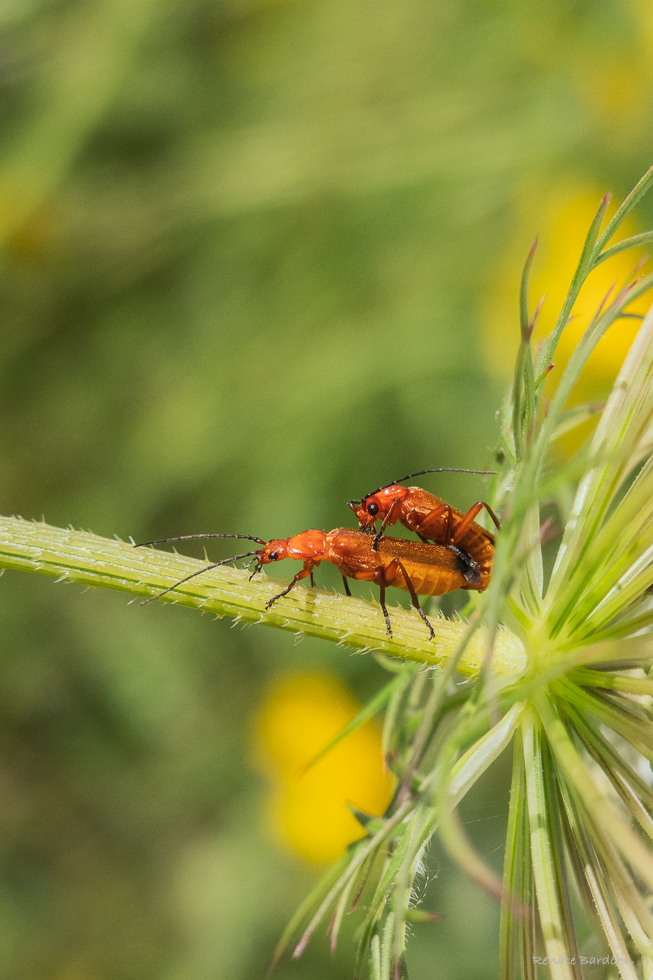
<point x="308" y="808"/>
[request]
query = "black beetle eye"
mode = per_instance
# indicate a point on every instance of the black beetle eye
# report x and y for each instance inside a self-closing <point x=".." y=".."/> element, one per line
<point x="273" y="556"/>
<point x="373" y="508"/>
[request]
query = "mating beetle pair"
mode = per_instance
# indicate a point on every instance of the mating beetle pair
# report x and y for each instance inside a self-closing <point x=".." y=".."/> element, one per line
<point x="454" y="551"/>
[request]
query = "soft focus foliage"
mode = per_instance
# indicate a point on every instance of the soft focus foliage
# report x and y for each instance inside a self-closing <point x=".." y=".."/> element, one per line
<point x="246" y="247"/>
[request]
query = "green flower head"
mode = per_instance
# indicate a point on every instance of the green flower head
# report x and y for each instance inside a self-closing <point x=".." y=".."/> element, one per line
<point x="556" y="655"/>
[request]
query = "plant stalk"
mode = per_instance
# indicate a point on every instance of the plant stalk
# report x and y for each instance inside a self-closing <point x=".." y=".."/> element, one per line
<point x="79" y="556"/>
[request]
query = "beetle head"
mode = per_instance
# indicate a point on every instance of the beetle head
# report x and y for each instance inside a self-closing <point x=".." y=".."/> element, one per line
<point x="376" y="505"/>
<point x="274" y="550"/>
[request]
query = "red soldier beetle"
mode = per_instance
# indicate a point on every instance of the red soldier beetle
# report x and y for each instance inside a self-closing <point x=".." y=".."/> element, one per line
<point x="431" y="518"/>
<point x="414" y="566"/>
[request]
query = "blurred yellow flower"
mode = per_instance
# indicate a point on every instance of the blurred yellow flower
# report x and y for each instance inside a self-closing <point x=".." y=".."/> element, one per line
<point x="561" y="218"/>
<point x="616" y="86"/>
<point x="308" y="810"/>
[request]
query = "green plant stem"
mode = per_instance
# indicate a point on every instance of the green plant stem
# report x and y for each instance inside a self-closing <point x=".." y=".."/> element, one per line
<point x="79" y="556"/>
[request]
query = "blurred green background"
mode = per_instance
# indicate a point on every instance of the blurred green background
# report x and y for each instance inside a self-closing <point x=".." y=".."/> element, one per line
<point x="247" y="250"/>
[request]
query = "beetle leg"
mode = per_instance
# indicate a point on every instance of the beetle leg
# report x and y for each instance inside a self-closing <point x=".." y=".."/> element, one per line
<point x="415" y="600"/>
<point x="303" y="573"/>
<point x="432" y="524"/>
<point x="346" y="585"/>
<point x="312" y="581"/>
<point x="448" y="535"/>
<point x="469" y="517"/>
<point x="388" y="627"/>
<point x="386" y="521"/>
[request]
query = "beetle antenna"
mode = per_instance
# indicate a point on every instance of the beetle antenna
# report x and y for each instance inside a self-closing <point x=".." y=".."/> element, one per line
<point x="207" y="568"/>
<point x="187" y="537"/>
<point x="440" y="469"/>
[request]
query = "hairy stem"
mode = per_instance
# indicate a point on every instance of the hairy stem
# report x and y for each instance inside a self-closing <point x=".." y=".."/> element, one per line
<point x="79" y="556"/>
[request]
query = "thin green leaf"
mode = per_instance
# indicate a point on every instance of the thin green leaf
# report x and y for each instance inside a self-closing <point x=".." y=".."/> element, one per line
<point x="613" y="766"/>
<point x="551" y="781"/>
<point x="420" y="915"/>
<point x="631" y="905"/>
<point x="375" y="959"/>
<point x="403" y="889"/>
<point x="541" y="848"/>
<point x="582" y="269"/>
<point x="596" y="329"/>
<point x="312" y="899"/>
<point x="334" y="884"/>
<point x="612" y="682"/>
<point x="636" y="730"/>
<point x="341" y="908"/>
<point x="386" y="947"/>
<point x="422" y="823"/>
<point x="633" y="199"/>
<point x="622" y="654"/>
<point x="533" y="586"/>
<point x="617" y="565"/>
<point x="595" y="879"/>
<point x="626" y="626"/>
<point x="636" y="241"/>
<point x="612" y="446"/>
<point x="523" y="384"/>
<point x="524" y="320"/>
<point x="573" y="417"/>
<point x="480" y="756"/>
<point x="512" y="865"/>
<point x="625" y="840"/>
<point x="604" y="752"/>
